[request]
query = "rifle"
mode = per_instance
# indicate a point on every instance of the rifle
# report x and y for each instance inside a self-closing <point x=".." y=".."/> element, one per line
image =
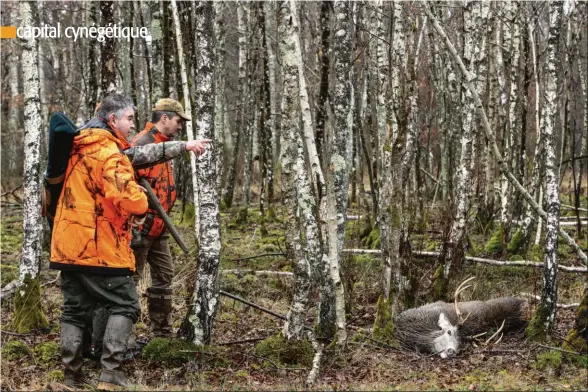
<point x="154" y="202"/>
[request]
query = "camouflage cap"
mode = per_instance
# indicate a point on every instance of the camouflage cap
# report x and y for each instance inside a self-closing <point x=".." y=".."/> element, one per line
<point x="171" y="105"/>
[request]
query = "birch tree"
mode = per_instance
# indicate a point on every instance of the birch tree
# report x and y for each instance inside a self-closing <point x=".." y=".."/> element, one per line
<point x="28" y="310"/>
<point x="188" y="108"/>
<point x="544" y="320"/>
<point x="107" y="51"/>
<point x="198" y="324"/>
<point x="474" y="17"/>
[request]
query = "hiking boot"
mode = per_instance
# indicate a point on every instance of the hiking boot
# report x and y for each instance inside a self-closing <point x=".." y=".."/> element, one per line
<point x="72" y="341"/>
<point x="160" y="308"/>
<point x="116" y="337"/>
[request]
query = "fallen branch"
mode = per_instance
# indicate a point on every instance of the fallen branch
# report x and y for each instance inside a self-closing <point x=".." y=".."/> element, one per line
<point x="572" y="223"/>
<point x="506" y="263"/>
<point x="257" y="272"/>
<point x="255" y="306"/>
<point x="561" y="306"/>
<point x="561" y="350"/>
<point x="573" y="208"/>
<point x="252" y="340"/>
<point x="258" y="256"/>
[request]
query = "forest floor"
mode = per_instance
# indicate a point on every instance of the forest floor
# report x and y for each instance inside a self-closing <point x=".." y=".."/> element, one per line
<point x="236" y="362"/>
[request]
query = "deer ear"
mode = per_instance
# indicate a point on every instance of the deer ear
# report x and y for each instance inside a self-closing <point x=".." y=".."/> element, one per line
<point x="443" y="322"/>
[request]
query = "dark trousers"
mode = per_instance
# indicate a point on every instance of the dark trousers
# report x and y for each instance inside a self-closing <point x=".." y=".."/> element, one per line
<point x="82" y="291"/>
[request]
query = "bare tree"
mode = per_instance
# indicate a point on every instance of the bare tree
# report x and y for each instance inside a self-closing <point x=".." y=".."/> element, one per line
<point x="198" y="323"/>
<point x="28" y="310"/>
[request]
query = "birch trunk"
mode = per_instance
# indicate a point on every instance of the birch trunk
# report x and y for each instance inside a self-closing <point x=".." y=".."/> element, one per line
<point x="221" y="128"/>
<point x="475" y="17"/>
<point x="188" y="109"/>
<point x="491" y="138"/>
<point x="292" y="164"/>
<point x="537" y="164"/>
<point x="274" y="102"/>
<point x="107" y="51"/>
<point x="326" y="328"/>
<point x="198" y="324"/>
<point x="339" y="157"/>
<point x="238" y="131"/>
<point x="546" y="313"/>
<point x="28" y="311"/>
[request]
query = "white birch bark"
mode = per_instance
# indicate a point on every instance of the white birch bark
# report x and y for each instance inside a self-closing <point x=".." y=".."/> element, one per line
<point x="30" y="263"/>
<point x="292" y="159"/>
<point x="199" y="321"/>
<point x="475" y="18"/>
<point x="188" y="109"/>
<point x="491" y="137"/>
<point x="536" y="188"/>
<point x="547" y="308"/>
<point x="326" y="319"/>
<point x="220" y="126"/>
<point x="271" y="54"/>
<point x="340" y="157"/>
<point x="313" y="156"/>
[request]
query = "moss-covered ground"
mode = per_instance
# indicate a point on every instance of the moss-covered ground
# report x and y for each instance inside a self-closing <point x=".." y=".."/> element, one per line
<point x="248" y="352"/>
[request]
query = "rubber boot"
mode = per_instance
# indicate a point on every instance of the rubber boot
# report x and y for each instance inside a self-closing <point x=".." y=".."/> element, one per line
<point x="99" y="322"/>
<point x="72" y="341"/>
<point x="160" y="308"/>
<point x="116" y="337"/>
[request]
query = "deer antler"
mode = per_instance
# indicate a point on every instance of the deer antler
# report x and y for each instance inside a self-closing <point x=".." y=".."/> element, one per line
<point x="462" y="287"/>
<point x="495" y="334"/>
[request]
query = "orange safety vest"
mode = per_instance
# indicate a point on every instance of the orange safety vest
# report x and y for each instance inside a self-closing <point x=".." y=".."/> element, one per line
<point x="91" y="231"/>
<point x="161" y="179"/>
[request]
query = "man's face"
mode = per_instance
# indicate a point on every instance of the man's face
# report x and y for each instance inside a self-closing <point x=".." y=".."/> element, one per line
<point x="126" y="123"/>
<point x="171" y="126"/>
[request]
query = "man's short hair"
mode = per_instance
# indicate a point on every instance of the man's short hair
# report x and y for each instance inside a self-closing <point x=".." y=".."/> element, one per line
<point x="114" y="103"/>
<point x="156" y="115"/>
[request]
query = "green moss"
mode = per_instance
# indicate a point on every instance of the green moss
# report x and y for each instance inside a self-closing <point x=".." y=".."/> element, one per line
<point x="372" y="241"/>
<point x="549" y="359"/>
<point x="11" y="237"/>
<point x="28" y="312"/>
<point x="286" y="352"/>
<point x="536" y="330"/>
<point x="55" y="375"/>
<point x="578" y="341"/>
<point x="8" y="273"/>
<point x="495" y="243"/>
<point x="242" y="216"/>
<point x="439" y="288"/>
<point x="15" y="349"/>
<point x="223" y="205"/>
<point x="535" y="253"/>
<point x="46" y="352"/>
<point x="242" y="374"/>
<point x="517" y="242"/>
<point x="173" y="351"/>
<point x="384" y="325"/>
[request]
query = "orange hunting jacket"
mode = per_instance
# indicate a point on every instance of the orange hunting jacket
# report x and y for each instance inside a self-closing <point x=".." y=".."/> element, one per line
<point x="161" y="179"/>
<point x="91" y="231"/>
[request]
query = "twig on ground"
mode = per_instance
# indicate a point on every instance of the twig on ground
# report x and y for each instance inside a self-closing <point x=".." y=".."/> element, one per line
<point x="258" y="256"/>
<point x="561" y="350"/>
<point x="256" y="272"/>
<point x="252" y="340"/>
<point x="14" y="333"/>
<point x="237" y="298"/>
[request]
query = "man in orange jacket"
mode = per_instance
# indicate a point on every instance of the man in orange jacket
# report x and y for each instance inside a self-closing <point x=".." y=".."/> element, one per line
<point x="99" y="204"/>
<point x="150" y="241"/>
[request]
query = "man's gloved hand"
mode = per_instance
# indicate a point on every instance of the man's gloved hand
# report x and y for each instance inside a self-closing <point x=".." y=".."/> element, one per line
<point x="197" y="146"/>
<point x="137" y="220"/>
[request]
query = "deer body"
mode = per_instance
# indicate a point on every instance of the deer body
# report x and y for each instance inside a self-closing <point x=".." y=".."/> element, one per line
<point x="439" y="328"/>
